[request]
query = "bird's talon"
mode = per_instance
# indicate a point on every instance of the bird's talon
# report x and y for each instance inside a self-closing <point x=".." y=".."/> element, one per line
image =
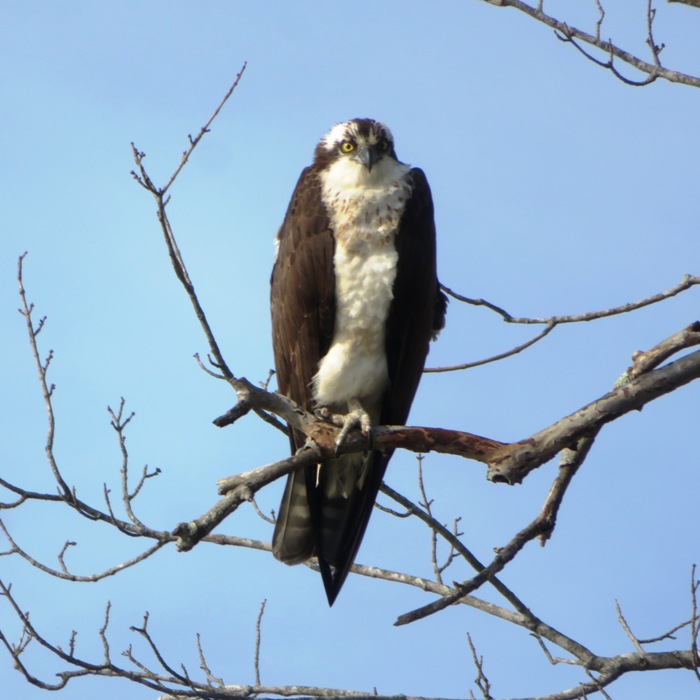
<point x="365" y="424"/>
<point x="325" y="414"/>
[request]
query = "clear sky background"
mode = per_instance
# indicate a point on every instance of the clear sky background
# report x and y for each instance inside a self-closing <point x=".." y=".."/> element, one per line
<point x="557" y="189"/>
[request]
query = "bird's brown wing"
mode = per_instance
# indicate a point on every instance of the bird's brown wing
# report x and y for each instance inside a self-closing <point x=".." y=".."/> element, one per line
<point x="417" y="312"/>
<point x="303" y="316"/>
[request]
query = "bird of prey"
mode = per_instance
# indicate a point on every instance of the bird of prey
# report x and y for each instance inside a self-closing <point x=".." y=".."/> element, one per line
<point x="355" y="302"/>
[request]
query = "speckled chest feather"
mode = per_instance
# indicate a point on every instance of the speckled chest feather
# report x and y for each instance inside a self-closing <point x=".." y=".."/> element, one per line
<point x="365" y="211"/>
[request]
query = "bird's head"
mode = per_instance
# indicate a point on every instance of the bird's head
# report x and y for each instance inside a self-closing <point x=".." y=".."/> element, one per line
<point x="359" y="144"/>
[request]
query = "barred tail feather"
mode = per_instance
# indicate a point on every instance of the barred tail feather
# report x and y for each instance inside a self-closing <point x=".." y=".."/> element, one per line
<point x="292" y="542"/>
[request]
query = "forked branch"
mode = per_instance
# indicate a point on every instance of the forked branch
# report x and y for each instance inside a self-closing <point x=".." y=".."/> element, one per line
<point x="611" y="52"/>
<point x="551" y="322"/>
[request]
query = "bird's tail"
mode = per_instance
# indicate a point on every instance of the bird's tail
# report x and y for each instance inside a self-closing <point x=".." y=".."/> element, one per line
<point x="325" y="511"/>
<point x="292" y="541"/>
<point x="340" y="507"/>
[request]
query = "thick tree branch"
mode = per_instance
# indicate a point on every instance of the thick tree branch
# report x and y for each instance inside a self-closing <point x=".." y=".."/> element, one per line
<point x="519" y="459"/>
<point x="508" y="462"/>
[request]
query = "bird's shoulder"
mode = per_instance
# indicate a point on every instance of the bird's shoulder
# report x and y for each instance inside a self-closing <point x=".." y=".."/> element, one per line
<point x="421" y="196"/>
<point x="306" y="216"/>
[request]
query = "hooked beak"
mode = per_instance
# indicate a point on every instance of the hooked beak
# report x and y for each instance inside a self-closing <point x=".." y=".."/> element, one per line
<point x="368" y="156"/>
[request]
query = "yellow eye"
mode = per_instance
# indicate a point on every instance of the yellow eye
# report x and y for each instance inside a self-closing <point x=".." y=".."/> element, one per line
<point x="347" y="147"/>
<point x="383" y="146"/>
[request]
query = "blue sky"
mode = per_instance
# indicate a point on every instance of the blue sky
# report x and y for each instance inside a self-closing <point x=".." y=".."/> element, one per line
<point x="557" y="189"/>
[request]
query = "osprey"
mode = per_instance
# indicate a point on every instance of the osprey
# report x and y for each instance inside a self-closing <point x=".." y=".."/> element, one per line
<point x="355" y="302"/>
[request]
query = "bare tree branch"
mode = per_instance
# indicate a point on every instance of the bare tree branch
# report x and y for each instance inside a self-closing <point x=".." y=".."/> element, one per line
<point x="541" y="527"/>
<point x="495" y="358"/>
<point x="691" y="3"/>
<point x="176" y="684"/>
<point x="686" y="283"/>
<point x="517" y="463"/>
<point x="258" y="637"/>
<point x="652" y="69"/>
<point x="552" y="322"/>
<point x="42" y="368"/>
<point x="694" y="622"/>
<point x="482" y="682"/>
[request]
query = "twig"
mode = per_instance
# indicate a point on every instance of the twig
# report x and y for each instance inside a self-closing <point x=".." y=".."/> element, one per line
<point x="260" y="514"/>
<point x="552" y="322"/>
<point x="694" y="621"/>
<point x="601" y="18"/>
<point x="143" y="631"/>
<point x="623" y="623"/>
<point x="65" y="573"/>
<point x="495" y="358"/>
<point x="666" y="635"/>
<point x="426" y="505"/>
<point x="655" y="48"/>
<point x="258" y="636"/>
<point x="119" y="424"/>
<point x="554" y="660"/>
<point x="596" y="683"/>
<point x="145" y="181"/>
<point x="42" y="368"/>
<point x="482" y="682"/>
<point x="687" y="282"/>
<point x="103" y="635"/>
<point x="643" y="362"/>
<point x="204" y="130"/>
<point x="205" y="666"/>
<point x="567" y="37"/>
<point x="570" y="460"/>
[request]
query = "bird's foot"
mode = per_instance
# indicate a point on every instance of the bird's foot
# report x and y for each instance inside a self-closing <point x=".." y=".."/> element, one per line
<point x="356" y="417"/>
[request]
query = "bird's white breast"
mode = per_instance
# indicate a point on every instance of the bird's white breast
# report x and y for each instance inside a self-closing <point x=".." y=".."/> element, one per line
<point x="365" y="209"/>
